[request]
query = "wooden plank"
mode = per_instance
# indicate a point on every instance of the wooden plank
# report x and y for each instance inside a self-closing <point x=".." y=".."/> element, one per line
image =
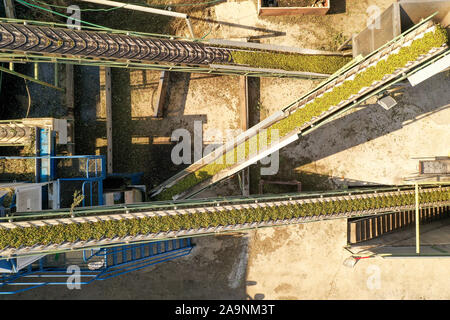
<point x="363" y="230"/>
<point x="109" y="137"/>
<point x="381" y="224"/>
<point x="394" y="221"/>
<point x="372" y="227"/>
<point x="358" y="231"/>
<point x="161" y="94"/>
<point x="353" y="232"/>
<point x="243" y="105"/>
<point x="388" y="223"/>
<point x="368" y="229"/>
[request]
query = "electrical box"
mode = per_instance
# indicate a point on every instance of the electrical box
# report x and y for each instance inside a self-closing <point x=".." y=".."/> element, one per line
<point x="29" y="199"/>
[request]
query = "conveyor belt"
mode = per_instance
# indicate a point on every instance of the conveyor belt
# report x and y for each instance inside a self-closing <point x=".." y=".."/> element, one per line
<point x="207" y="217"/>
<point x="35" y="41"/>
<point x="13" y="133"/>
<point x="193" y="184"/>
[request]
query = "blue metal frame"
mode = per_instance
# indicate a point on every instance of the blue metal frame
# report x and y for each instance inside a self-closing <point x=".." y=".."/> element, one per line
<point x="158" y="252"/>
<point x="47" y="172"/>
<point x="45" y="146"/>
<point x="90" y="179"/>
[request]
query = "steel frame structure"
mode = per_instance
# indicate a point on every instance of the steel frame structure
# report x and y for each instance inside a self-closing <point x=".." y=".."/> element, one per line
<point x="330" y="115"/>
<point x="213" y="68"/>
<point x="114" y="261"/>
<point x="87" y="215"/>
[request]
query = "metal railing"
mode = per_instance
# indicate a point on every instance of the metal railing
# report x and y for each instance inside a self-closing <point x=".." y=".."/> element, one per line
<point x="114" y="262"/>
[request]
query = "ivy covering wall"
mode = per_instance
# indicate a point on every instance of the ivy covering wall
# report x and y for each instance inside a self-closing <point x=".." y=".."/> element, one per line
<point x="314" y="108"/>
<point x="56" y="234"/>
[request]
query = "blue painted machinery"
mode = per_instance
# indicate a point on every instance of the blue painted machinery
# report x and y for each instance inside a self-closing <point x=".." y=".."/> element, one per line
<point x="26" y="273"/>
<point x="90" y="173"/>
<point x="45" y="148"/>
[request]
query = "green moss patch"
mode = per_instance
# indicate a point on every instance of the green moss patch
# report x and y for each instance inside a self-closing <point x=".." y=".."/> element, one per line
<point x="313" y="109"/>
<point x="55" y="234"/>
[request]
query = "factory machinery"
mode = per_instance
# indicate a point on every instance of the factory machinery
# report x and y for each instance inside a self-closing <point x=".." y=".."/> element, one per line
<point x="48" y="185"/>
<point x="28" y="240"/>
<point x="32" y="41"/>
<point x="41" y="178"/>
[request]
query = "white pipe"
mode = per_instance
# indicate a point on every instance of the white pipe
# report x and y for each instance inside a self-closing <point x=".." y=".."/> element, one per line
<point x="139" y="8"/>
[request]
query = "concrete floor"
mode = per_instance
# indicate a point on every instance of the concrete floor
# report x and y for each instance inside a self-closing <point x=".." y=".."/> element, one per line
<point x="293" y="262"/>
<point x="308" y="263"/>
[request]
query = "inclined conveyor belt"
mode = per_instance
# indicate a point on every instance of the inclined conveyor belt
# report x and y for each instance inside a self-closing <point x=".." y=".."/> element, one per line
<point x="335" y="81"/>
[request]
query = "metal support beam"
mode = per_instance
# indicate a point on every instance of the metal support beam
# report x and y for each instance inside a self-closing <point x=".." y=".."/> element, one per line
<point x="109" y="138"/>
<point x="56" y="75"/>
<point x="244" y="124"/>
<point x="243" y="95"/>
<point x="10" y="13"/>
<point x="36" y="71"/>
<point x="30" y="78"/>
<point x="161" y="94"/>
<point x="9" y="8"/>
<point x="70" y="104"/>
<point x="191" y="30"/>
